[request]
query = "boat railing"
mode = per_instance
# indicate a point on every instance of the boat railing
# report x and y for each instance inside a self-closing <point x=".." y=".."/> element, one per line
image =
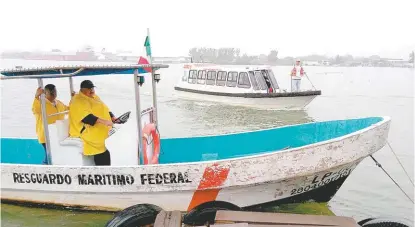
<point x="59" y="113"/>
<point x="149" y="111"/>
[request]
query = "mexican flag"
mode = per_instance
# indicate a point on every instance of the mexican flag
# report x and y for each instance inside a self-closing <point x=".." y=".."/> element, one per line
<point x="147" y="45"/>
<point x="144" y="60"/>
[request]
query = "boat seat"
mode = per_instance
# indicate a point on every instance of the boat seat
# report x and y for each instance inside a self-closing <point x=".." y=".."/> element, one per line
<point x="67" y="150"/>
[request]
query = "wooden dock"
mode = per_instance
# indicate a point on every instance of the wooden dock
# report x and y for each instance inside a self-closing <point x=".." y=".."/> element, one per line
<point x="259" y="219"/>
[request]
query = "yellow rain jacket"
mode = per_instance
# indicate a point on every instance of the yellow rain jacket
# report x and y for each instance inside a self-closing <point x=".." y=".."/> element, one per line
<point x="93" y="137"/>
<point x="50" y="109"/>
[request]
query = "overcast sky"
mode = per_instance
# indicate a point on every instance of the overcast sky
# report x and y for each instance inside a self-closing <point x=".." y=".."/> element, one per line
<point x="294" y="27"/>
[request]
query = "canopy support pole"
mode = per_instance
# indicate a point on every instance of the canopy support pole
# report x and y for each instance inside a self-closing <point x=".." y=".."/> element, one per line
<point x="70" y="86"/>
<point x="138" y="114"/>
<point x="45" y="123"/>
<point x="154" y="87"/>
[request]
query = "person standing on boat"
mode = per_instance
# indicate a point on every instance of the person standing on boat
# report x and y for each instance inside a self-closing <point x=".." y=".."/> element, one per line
<point x="90" y="119"/>
<point x="53" y="106"/>
<point x="296" y="73"/>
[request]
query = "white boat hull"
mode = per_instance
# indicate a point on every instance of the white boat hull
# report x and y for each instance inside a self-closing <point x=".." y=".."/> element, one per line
<point x="277" y="103"/>
<point x="246" y="181"/>
<point x="243" y="196"/>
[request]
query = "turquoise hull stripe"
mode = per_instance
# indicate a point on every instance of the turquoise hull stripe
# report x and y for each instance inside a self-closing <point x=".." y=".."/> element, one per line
<point x="177" y="150"/>
<point x="21" y="151"/>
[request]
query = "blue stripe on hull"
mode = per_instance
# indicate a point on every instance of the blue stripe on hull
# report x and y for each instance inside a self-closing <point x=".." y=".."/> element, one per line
<point x="178" y="150"/>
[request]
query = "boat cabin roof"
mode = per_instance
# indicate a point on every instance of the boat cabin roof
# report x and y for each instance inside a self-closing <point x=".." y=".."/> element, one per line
<point x="214" y="67"/>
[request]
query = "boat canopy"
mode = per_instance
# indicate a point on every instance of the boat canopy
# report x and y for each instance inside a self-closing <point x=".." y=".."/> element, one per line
<point x="77" y="70"/>
<point x="41" y="73"/>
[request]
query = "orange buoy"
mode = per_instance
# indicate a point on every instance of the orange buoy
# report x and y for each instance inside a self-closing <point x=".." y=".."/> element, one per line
<point x="153" y="157"/>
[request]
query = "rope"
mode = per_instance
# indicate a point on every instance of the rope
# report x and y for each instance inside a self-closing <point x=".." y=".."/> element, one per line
<point x="400" y="163"/>
<point x="309" y="80"/>
<point x="378" y="164"/>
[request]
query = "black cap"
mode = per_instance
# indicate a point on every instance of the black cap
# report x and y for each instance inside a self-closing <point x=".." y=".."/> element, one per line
<point x="87" y="84"/>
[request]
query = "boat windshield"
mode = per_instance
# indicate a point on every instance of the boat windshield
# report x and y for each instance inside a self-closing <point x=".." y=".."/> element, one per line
<point x="261" y="80"/>
<point x="253" y="80"/>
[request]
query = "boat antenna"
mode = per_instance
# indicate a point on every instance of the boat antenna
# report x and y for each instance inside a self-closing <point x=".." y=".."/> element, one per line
<point x="153" y="76"/>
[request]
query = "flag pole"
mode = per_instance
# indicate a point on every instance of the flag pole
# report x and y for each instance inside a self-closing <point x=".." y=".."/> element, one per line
<point x="153" y="82"/>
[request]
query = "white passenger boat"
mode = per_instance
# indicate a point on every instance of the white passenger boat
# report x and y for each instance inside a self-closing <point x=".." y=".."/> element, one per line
<point x="254" y="169"/>
<point x="237" y="85"/>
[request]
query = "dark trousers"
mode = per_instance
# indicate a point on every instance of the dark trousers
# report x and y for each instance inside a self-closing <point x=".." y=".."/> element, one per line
<point x="103" y="159"/>
<point x="45" y="160"/>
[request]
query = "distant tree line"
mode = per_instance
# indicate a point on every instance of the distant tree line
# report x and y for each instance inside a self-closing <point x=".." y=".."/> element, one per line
<point x="230" y="56"/>
<point x="234" y="56"/>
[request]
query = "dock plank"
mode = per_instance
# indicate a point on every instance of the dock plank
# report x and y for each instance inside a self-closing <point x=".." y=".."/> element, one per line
<point x="168" y="219"/>
<point x="283" y="218"/>
<point x="231" y="225"/>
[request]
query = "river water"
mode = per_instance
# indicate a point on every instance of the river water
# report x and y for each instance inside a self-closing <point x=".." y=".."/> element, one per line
<point x="346" y="93"/>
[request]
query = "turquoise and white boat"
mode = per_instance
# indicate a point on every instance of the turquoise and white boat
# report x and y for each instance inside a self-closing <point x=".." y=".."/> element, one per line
<point x="252" y="169"/>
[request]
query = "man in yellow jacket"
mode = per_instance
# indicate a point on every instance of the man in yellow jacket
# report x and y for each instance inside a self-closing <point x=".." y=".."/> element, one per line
<point x="91" y="120"/>
<point x="53" y="106"/>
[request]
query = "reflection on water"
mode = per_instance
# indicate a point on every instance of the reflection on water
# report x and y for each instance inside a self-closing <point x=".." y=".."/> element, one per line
<point x="213" y="118"/>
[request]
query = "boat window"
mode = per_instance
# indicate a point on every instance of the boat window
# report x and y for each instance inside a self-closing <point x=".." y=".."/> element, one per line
<point x="261" y="80"/>
<point x="192" y="76"/>
<point x="221" y="80"/>
<point x="243" y="81"/>
<point x="273" y="79"/>
<point x="201" y="77"/>
<point x="211" y="78"/>
<point x="253" y="80"/>
<point x="232" y="78"/>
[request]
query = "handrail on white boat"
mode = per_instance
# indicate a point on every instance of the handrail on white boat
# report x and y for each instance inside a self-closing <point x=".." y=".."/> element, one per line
<point x="92" y="70"/>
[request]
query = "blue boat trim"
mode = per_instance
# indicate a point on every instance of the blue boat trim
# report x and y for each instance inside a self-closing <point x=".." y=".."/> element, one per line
<point x="88" y="70"/>
<point x="218" y="147"/>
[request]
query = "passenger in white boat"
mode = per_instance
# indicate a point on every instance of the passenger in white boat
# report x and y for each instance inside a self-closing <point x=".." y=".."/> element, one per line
<point x="53" y="106"/>
<point x="268" y="82"/>
<point x="296" y="74"/>
<point x="90" y="119"/>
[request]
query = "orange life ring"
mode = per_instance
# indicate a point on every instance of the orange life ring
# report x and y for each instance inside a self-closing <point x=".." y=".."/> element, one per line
<point x="150" y="129"/>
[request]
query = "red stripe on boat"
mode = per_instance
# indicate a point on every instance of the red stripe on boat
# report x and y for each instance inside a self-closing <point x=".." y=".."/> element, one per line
<point x="214" y="176"/>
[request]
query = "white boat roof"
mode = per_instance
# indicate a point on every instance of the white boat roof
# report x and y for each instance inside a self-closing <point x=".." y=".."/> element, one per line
<point x="216" y="67"/>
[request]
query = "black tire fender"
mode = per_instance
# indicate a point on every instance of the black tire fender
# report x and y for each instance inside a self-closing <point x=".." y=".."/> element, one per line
<point x="362" y="222"/>
<point x="206" y="212"/>
<point x="136" y="215"/>
<point x="381" y="222"/>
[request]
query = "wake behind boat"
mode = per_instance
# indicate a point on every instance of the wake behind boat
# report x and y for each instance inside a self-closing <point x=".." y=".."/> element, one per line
<point x="247" y="86"/>
<point x="254" y="169"/>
